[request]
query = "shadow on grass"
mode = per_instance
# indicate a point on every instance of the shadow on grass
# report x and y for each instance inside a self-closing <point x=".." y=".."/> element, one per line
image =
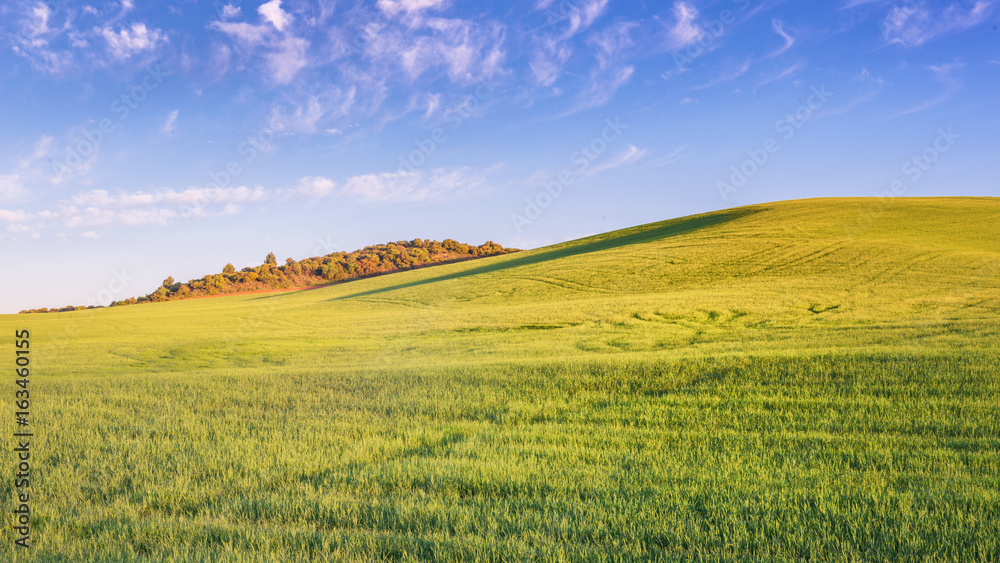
<point x="593" y="244"/>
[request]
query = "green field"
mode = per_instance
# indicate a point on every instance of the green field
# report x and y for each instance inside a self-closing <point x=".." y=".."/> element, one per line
<point x="812" y="380"/>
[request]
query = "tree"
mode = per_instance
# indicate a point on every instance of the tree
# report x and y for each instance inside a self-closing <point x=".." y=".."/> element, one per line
<point x="168" y="282"/>
<point x="271" y="260"/>
<point x="229" y="269"/>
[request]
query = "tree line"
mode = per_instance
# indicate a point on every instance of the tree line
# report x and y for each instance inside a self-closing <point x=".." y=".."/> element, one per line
<point x="335" y="267"/>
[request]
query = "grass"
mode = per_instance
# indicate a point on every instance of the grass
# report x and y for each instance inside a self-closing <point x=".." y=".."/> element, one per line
<point x="801" y="381"/>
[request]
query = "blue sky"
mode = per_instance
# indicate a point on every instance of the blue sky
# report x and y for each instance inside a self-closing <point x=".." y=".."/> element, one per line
<point x="145" y="140"/>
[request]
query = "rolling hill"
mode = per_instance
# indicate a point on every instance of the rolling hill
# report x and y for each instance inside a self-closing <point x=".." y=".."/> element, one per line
<point x="801" y="380"/>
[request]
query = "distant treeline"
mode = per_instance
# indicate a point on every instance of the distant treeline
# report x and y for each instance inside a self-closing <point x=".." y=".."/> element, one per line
<point x="335" y="267"/>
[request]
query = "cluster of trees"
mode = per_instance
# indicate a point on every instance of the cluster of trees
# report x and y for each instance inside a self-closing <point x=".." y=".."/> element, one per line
<point x="58" y="310"/>
<point x="338" y="266"/>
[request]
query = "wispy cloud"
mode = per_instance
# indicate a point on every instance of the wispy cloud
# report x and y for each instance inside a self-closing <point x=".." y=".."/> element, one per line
<point x="611" y="48"/>
<point x="248" y="35"/>
<point x="669" y="158"/>
<point x="784" y="73"/>
<point x="37" y="33"/>
<point x="779" y="27"/>
<point x="630" y="155"/>
<point x="396" y="7"/>
<point x="440" y="184"/>
<point x="11" y="187"/>
<point x="855" y="3"/>
<point x="159" y="207"/>
<point x="727" y="76"/>
<point x="685" y="30"/>
<point x="553" y="48"/>
<point x="402" y="186"/>
<point x="916" y="23"/>
<point x="943" y="74"/>
<point x="170" y="122"/>
<point x="32" y="169"/>
<point x="871" y="86"/>
<point x="287" y="59"/>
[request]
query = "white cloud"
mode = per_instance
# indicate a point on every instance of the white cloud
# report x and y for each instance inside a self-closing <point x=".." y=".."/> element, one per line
<point x="11" y="187"/>
<point x="38" y="25"/>
<point x="229" y="11"/>
<point x="127" y="42"/>
<point x="685" y="31"/>
<point x="553" y="50"/>
<point x="314" y="187"/>
<point x="272" y="12"/>
<point x="603" y="87"/>
<point x="547" y="65"/>
<point x="394" y="7"/>
<point x="32" y="169"/>
<point x="914" y="24"/>
<point x="630" y="155"/>
<point x="727" y="76"/>
<point x="943" y="74"/>
<point x="790" y="70"/>
<point x="283" y="55"/>
<point x="190" y="196"/>
<point x="466" y="50"/>
<point x="402" y="186"/>
<point x="37" y="32"/>
<point x="248" y="34"/>
<point x="97" y="208"/>
<point x="612" y="44"/>
<point x="855" y="3"/>
<point x="170" y="122"/>
<point x="417" y="186"/>
<point x="583" y="16"/>
<point x="332" y="103"/>
<point x="288" y="59"/>
<point x="778" y="27"/>
<point x="91" y="235"/>
<point x="611" y="48"/>
<point x="18" y="216"/>
<point x="666" y="159"/>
